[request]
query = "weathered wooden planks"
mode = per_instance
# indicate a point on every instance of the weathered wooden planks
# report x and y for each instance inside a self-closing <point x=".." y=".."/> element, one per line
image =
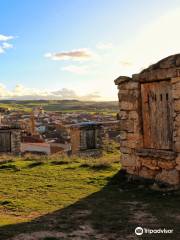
<point x="90" y="139"/>
<point x="5" y="142"/>
<point x="157" y="114"/>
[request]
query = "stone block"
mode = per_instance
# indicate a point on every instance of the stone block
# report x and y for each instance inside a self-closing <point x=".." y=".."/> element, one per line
<point x="177" y="146"/>
<point x="175" y="80"/>
<point x="176" y="86"/>
<point x="122" y="79"/>
<point x="177" y="105"/>
<point x="133" y="138"/>
<point x="171" y="73"/>
<point x="131" y="170"/>
<point x="178" y="159"/>
<point x="169" y="176"/>
<point x="128" y="160"/>
<point x="128" y="144"/>
<point x="176" y="139"/>
<point x="123" y="92"/>
<point x="123" y="135"/>
<point x="124" y="85"/>
<point x="177" y="132"/>
<point x="137" y="126"/>
<point x="128" y="105"/>
<point x="147" y="173"/>
<point x="133" y="85"/>
<point x="133" y="115"/>
<point x="177" y="118"/>
<point x="167" y="164"/>
<point x="130" y="96"/>
<point x="126" y="125"/>
<point x="176" y="93"/>
<point x="168" y="63"/>
<point x="150" y="164"/>
<point x="178" y="61"/>
<point x="125" y="150"/>
<point x="123" y="115"/>
<point x="178" y="167"/>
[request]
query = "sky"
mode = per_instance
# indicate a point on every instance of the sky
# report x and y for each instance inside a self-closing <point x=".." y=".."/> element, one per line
<point x="74" y="49"/>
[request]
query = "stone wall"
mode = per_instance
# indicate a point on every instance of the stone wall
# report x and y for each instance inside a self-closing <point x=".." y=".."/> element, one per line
<point x="75" y="140"/>
<point x="15" y="141"/>
<point x="157" y="164"/>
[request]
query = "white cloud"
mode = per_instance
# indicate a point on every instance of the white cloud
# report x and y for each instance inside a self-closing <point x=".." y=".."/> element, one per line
<point x="1" y="50"/>
<point x="65" y="94"/>
<point x="81" y="70"/>
<point x="22" y="93"/>
<point x="91" y="96"/>
<point x="5" y="45"/>
<point x="5" y="38"/>
<point x="104" y="46"/>
<point x="76" y="55"/>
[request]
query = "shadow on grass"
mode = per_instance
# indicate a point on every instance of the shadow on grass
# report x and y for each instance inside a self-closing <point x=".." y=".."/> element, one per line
<point x="60" y="162"/>
<point x="113" y="213"/>
<point x="9" y="167"/>
<point x="35" y="164"/>
<point x="97" y="167"/>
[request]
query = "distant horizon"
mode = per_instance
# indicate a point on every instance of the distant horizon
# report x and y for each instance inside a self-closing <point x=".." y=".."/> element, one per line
<point x="59" y="50"/>
<point x="38" y="100"/>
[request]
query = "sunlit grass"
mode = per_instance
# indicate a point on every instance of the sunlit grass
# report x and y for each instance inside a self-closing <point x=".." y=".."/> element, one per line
<point x="35" y="185"/>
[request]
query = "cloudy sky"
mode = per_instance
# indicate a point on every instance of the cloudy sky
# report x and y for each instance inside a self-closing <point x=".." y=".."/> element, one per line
<point x="64" y="49"/>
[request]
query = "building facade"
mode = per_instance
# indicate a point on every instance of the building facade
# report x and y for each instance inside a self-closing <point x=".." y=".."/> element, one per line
<point x="10" y="139"/>
<point x="85" y="138"/>
<point x="149" y="104"/>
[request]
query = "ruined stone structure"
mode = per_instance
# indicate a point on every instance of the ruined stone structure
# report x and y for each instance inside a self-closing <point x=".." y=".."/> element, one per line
<point x="149" y="104"/>
<point x="86" y="138"/>
<point x="10" y="139"/>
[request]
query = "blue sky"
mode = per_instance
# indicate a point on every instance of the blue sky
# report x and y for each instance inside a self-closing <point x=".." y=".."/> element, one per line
<point x="76" y="48"/>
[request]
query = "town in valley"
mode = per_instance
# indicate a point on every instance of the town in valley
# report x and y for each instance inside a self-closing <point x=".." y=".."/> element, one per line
<point x="44" y="131"/>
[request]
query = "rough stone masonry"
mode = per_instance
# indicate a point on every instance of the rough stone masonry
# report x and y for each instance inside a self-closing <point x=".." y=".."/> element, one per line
<point x="149" y="104"/>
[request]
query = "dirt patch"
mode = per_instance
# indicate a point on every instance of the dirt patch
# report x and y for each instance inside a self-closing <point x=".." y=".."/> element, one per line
<point x="39" y="235"/>
<point x="140" y="214"/>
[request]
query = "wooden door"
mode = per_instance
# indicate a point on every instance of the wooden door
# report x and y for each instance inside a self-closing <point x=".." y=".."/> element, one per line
<point x="90" y="139"/>
<point x="157" y="115"/>
<point x="5" y="142"/>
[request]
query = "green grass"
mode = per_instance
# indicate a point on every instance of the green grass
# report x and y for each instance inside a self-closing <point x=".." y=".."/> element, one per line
<point x="44" y="185"/>
<point x="79" y="197"/>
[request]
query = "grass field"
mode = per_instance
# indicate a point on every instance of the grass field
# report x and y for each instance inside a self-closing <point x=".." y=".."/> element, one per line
<point x="62" y="106"/>
<point x="59" y="198"/>
<point x="34" y="187"/>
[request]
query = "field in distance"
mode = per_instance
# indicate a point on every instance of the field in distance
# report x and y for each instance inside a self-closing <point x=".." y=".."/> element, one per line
<point x="62" y="105"/>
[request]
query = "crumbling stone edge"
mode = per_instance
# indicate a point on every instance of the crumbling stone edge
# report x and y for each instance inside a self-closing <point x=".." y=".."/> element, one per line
<point x="134" y="181"/>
